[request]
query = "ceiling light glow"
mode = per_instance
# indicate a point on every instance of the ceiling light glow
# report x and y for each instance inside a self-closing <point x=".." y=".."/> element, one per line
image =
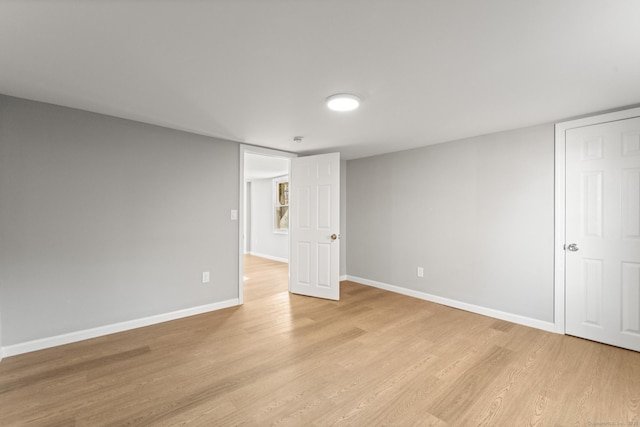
<point x="343" y="102"/>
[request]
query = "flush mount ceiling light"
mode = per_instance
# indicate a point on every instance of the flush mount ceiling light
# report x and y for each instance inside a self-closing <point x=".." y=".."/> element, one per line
<point x="343" y="102"/>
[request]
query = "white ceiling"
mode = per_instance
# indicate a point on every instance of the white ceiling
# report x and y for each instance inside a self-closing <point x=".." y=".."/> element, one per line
<point x="261" y="167"/>
<point x="258" y="71"/>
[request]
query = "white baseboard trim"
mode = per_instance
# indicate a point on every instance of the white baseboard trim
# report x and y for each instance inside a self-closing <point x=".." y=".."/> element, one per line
<point x="497" y="314"/>
<point x="40" y="344"/>
<point x="343" y="277"/>
<point x="272" y="258"/>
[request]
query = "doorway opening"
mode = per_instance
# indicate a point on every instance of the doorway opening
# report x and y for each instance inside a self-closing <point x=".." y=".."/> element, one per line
<point x="264" y="214"/>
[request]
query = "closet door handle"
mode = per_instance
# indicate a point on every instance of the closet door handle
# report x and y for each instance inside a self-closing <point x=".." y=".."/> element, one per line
<point x="572" y="247"/>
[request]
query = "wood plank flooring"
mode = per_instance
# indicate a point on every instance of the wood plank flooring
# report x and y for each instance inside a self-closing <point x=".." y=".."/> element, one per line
<point x="373" y="358"/>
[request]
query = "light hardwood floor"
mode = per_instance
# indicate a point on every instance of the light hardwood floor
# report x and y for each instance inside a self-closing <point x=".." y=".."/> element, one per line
<point x="373" y="358"/>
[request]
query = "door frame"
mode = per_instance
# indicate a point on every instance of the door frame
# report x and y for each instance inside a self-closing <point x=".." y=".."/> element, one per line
<point x="249" y="149"/>
<point x="560" y="206"/>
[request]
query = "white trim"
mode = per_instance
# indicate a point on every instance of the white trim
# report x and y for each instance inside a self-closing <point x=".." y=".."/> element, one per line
<point x="26" y="347"/>
<point x="264" y="152"/>
<point x="497" y="314"/>
<point x="559" y="233"/>
<point x="272" y="258"/>
<point x="343" y="278"/>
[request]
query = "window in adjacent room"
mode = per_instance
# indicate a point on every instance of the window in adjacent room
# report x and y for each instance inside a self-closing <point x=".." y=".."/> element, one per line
<point x="281" y="204"/>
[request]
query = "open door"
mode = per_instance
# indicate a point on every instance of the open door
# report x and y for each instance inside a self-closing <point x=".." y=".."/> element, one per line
<point x="314" y="216"/>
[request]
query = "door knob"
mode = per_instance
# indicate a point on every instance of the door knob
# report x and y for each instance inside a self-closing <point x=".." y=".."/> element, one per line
<point x="334" y="236"/>
<point x="572" y="247"/>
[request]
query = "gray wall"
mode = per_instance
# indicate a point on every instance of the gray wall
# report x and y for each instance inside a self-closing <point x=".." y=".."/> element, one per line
<point x="105" y="220"/>
<point x="477" y="214"/>
<point x="263" y="240"/>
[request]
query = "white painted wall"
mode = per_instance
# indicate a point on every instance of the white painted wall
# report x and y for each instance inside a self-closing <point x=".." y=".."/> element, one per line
<point x="264" y="242"/>
<point x="477" y="214"/>
<point x="107" y="220"/>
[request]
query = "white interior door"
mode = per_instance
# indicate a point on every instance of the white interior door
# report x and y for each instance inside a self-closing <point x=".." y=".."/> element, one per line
<point x="314" y="226"/>
<point x="602" y="251"/>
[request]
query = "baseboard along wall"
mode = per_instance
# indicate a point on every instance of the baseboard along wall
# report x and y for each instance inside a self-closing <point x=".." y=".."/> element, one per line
<point x="272" y="258"/>
<point x="497" y="314"/>
<point x="40" y="344"/>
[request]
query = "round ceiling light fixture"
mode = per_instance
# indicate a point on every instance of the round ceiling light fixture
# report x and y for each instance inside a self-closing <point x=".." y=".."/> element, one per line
<point x="343" y="102"/>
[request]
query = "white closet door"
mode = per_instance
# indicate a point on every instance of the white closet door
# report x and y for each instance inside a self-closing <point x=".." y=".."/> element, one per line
<point x="602" y="252"/>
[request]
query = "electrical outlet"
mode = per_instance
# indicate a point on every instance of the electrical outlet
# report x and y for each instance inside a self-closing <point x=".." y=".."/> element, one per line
<point x="420" y="272"/>
<point x="206" y="277"/>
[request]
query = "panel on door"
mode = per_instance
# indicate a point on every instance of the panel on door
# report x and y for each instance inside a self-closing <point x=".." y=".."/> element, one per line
<point x="602" y="260"/>
<point x="314" y="210"/>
